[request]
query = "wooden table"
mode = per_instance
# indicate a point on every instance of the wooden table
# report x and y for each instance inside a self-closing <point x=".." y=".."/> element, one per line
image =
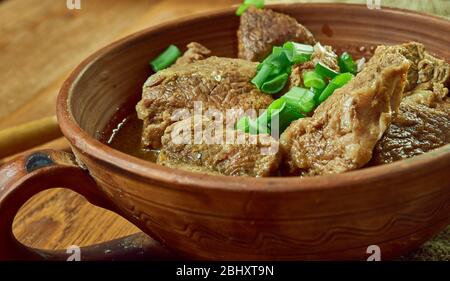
<point x="40" y="44"/>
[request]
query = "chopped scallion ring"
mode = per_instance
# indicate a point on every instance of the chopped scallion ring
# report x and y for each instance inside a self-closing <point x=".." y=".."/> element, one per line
<point x="276" y="84"/>
<point x="279" y="60"/>
<point x="242" y="8"/>
<point x="298" y="53"/>
<point x="262" y="75"/>
<point x="247" y="3"/>
<point x="301" y="98"/>
<point x="347" y="64"/>
<point x="312" y="79"/>
<point x="325" y="71"/>
<point x="327" y="92"/>
<point x="342" y="79"/>
<point x="243" y="124"/>
<point x="338" y="82"/>
<point x="166" y="58"/>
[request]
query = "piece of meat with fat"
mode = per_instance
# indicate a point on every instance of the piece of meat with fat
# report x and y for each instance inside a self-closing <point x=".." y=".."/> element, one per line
<point x="416" y="129"/>
<point x="426" y="72"/>
<point x="344" y="129"/>
<point x="423" y="121"/>
<point x="262" y="29"/>
<point x="256" y="156"/>
<point x="195" y="52"/>
<point x="219" y="83"/>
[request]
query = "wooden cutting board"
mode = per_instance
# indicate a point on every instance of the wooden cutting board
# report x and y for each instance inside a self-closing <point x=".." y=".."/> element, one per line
<point x="40" y="43"/>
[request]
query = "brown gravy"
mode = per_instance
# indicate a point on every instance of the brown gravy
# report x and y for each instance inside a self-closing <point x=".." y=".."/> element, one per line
<point x="124" y="134"/>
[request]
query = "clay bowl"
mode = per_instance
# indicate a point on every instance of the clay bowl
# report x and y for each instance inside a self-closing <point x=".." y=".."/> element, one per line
<point x="396" y="207"/>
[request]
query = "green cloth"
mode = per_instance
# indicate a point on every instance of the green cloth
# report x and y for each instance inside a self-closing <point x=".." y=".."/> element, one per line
<point x="437" y="249"/>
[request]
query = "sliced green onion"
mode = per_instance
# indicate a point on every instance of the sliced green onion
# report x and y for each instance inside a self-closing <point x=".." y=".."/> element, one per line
<point x="286" y="116"/>
<point x="338" y="82"/>
<point x="273" y="72"/>
<point x="262" y="75"/>
<point x="301" y="48"/>
<point x="301" y="98"/>
<point x="243" y="124"/>
<point x="276" y="52"/>
<point x="298" y="53"/>
<point x="281" y="110"/>
<point x="298" y="58"/>
<point x="166" y="58"/>
<point x="258" y="127"/>
<point x="325" y="71"/>
<point x="286" y="111"/>
<point x="248" y="125"/>
<point x="327" y="92"/>
<point x="347" y="64"/>
<point x="247" y="3"/>
<point x="276" y="84"/>
<point x="276" y="105"/>
<point x="342" y="79"/>
<point x="279" y="60"/>
<point x="242" y="8"/>
<point x="274" y="108"/>
<point x="317" y="93"/>
<point x="262" y="122"/>
<point x="313" y="79"/>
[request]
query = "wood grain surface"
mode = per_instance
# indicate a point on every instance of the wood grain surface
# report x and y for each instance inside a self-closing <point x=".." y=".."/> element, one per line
<point x="41" y="42"/>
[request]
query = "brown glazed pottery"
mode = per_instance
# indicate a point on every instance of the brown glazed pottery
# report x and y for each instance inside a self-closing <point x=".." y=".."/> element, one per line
<point x="195" y="216"/>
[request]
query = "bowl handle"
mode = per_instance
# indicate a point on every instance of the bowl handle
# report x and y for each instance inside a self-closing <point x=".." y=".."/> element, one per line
<point x="32" y="173"/>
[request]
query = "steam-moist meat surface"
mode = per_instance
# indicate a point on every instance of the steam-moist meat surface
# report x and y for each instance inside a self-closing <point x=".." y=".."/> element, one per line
<point x="344" y="129"/>
<point x="255" y="156"/>
<point x="195" y="52"/>
<point x="219" y="83"/>
<point x="262" y="29"/>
